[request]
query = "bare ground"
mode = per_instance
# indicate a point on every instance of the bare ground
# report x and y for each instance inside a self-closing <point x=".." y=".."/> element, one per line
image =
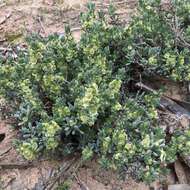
<point x="19" y="18"/>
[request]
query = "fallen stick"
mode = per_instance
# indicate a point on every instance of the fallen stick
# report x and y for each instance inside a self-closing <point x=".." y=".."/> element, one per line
<point x="42" y="25"/>
<point x="5" y="151"/>
<point x="15" y="165"/>
<point x="144" y="87"/>
<point x="6" y="17"/>
<point x="2" y="40"/>
<point x="9" y="182"/>
<point x="177" y="107"/>
<point x="76" y="29"/>
<point x="63" y="174"/>
<point x="82" y="185"/>
<point x="2" y="5"/>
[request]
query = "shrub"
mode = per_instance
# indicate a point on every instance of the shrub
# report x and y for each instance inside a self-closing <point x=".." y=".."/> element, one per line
<point x="69" y="96"/>
<point x="160" y="38"/>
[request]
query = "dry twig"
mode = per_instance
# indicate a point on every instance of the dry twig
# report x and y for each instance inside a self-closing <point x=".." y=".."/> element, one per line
<point x="62" y="174"/>
<point x="6" y="17"/>
<point x="2" y="5"/>
<point x="15" y="165"/>
<point x="5" y="151"/>
<point x="42" y="26"/>
<point x="82" y="185"/>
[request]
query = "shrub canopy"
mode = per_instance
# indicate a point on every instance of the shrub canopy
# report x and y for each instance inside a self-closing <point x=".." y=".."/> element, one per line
<point x="69" y="96"/>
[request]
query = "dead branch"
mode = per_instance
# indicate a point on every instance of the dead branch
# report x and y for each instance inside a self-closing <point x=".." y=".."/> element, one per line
<point x="175" y="106"/>
<point x="177" y="31"/>
<point x="15" y="165"/>
<point x="82" y="185"/>
<point x="66" y="170"/>
<point x="2" y="40"/>
<point x="144" y="87"/>
<point x="9" y="182"/>
<point x="6" y="17"/>
<point x="2" y="5"/>
<point x="5" y="151"/>
<point x="75" y="29"/>
<point x="42" y="26"/>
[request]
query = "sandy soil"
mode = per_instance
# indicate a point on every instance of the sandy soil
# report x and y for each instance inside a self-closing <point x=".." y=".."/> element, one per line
<point x="21" y="17"/>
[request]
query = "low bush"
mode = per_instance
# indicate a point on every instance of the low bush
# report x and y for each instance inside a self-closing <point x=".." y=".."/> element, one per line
<point x="160" y="38"/>
<point x="68" y="96"/>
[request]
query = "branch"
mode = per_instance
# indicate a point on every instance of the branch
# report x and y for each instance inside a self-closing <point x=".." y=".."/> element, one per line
<point x="5" y="151"/>
<point x="6" y="17"/>
<point x="15" y="165"/>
